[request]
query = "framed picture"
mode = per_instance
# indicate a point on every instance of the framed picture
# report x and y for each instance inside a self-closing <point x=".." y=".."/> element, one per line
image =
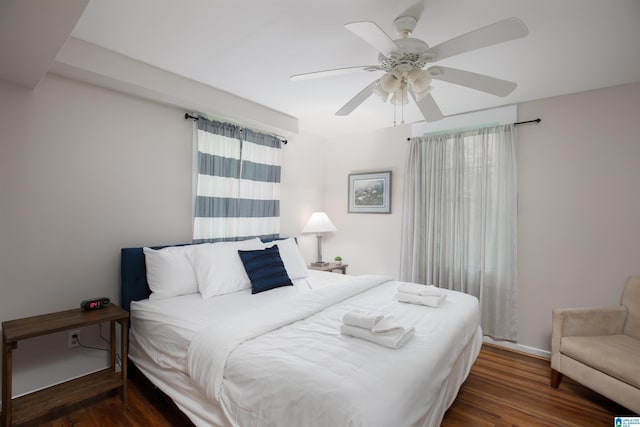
<point x="370" y="192"/>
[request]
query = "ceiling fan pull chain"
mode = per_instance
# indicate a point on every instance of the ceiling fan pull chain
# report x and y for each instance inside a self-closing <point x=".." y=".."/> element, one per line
<point x="402" y="109"/>
<point x="395" y="114"/>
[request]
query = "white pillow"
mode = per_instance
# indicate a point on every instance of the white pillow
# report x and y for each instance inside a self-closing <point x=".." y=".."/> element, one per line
<point x="169" y="271"/>
<point x="291" y="257"/>
<point x="219" y="269"/>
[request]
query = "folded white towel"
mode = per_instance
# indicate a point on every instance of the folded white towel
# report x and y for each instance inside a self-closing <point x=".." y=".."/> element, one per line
<point x="387" y="324"/>
<point x="418" y="289"/>
<point x="391" y="339"/>
<point x="362" y="319"/>
<point x="430" y="300"/>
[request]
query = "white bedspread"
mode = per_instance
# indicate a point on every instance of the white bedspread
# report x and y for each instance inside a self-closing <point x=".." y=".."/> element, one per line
<point x="285" y="363"/>
<point x="165" y="327"/>
<point x="210" y="347"/>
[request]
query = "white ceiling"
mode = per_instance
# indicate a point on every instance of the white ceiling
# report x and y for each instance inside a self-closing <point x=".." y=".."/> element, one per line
<point x="250" y="48"/>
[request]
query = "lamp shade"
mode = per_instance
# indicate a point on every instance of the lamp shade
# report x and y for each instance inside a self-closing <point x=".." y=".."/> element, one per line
<point x="378" y="90"/>
<point x="421" y="94"/>
<point x="390" y="82"/>
<point x="319" y="222"/>
<point x="419" y="80"/>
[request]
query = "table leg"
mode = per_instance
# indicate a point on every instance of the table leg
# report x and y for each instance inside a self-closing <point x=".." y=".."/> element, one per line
<point x="112" y="335"/>
<point x="124" y="351"/>
<point x="6" y="382"/>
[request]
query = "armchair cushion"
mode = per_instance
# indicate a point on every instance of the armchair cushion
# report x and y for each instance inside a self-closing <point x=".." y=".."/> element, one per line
<point x="614" y="355"/>
<point x="588" y="321"/>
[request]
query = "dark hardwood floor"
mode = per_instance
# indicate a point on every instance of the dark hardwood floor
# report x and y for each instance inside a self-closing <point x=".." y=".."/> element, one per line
<point x="504" y="388"/>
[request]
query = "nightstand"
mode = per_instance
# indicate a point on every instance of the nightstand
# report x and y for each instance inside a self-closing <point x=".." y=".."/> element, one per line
<point x="332" y="266"/>
<point x="39" y="403"/>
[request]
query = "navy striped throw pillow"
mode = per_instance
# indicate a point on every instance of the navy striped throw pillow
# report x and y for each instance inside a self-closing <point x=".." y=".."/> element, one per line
<point x="265" y="269"/>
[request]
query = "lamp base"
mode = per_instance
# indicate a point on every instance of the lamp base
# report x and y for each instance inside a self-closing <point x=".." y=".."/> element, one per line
<point x="319" y="264"/>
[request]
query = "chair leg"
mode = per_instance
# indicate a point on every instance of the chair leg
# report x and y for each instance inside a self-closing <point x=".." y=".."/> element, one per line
<point x="556" y="377"/>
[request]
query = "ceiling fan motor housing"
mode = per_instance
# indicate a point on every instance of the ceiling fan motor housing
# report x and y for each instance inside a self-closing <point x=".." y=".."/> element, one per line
<point x="405" y="25"/>
<point x="411" y="51"/>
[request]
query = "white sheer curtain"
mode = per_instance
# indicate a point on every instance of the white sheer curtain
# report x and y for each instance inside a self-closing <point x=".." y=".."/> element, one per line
<point x="459" y="226"/>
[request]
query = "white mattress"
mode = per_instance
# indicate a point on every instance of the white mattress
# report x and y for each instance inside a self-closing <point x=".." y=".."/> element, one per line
<point x="448" y="338"/>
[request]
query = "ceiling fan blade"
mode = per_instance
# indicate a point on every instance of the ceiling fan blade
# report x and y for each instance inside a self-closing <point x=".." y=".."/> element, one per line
<point x="471" y="80"/>
<point x="372" y="34"/>
<point x="428" y="108"/>
<point x="501" y="31"/>
<point x="356" y="100"/>
<point x="333" y="72"/>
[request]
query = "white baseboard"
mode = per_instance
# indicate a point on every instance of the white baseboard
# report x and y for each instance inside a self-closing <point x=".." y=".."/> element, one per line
<point x="520" y="347"/>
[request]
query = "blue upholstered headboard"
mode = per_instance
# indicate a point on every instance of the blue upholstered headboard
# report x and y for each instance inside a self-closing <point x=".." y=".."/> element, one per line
<point x="133" y="274"/>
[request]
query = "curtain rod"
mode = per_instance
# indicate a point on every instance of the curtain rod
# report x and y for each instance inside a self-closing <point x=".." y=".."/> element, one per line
<point x="538" y="120"/>
<point x="188" y="116"/>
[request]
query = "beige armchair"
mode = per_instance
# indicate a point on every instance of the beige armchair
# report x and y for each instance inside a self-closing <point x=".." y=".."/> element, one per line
<point x="600" y="347"/>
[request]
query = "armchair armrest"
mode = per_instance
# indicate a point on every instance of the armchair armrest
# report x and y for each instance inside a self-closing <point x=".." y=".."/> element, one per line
<point x="586" y="321"/>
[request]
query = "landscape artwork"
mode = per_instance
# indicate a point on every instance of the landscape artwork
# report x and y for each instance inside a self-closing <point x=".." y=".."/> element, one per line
<point x="370" y="192"/>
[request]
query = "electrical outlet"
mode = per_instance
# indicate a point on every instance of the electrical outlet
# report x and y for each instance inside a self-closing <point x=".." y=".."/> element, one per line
<point x="74" y="338"/>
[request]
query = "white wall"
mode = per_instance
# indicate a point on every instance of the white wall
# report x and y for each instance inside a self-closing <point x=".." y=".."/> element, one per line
<point x="579" y="192"/>
<point x="302" y="188"/>
<point x="369" y="243"/>
<point x="579" y="213"/>
<point x="89" y="171"/>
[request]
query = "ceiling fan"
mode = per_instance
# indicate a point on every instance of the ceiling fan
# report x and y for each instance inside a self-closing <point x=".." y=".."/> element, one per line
<point x="403" y="61"/>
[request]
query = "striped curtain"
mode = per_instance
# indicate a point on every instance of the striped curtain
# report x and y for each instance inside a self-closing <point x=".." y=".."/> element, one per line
<point x="238" y="183"/>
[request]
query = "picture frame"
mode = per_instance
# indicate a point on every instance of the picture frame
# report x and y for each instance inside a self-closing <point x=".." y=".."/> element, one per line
<point x="370" y="192"/>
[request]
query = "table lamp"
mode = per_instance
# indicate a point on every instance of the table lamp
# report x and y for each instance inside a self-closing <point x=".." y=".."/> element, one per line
<point x="319" y="223"/>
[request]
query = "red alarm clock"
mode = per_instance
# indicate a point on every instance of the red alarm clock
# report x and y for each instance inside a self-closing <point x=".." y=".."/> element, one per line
<point x="94" y="303"/>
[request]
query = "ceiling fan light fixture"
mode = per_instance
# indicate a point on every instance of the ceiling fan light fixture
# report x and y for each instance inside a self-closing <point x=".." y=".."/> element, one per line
<point x="390" y="82"/>
<point x="421" y="94"/>
<point x="418" y="79"/>
<point x="380" y="92"/>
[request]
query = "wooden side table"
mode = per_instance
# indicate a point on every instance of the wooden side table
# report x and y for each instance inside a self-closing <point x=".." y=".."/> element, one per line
<point x="39" y="403"/>
<point x="332" y="266"/>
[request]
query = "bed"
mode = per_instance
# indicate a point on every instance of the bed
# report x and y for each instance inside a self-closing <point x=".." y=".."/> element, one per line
<point x="278" y="358"/>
